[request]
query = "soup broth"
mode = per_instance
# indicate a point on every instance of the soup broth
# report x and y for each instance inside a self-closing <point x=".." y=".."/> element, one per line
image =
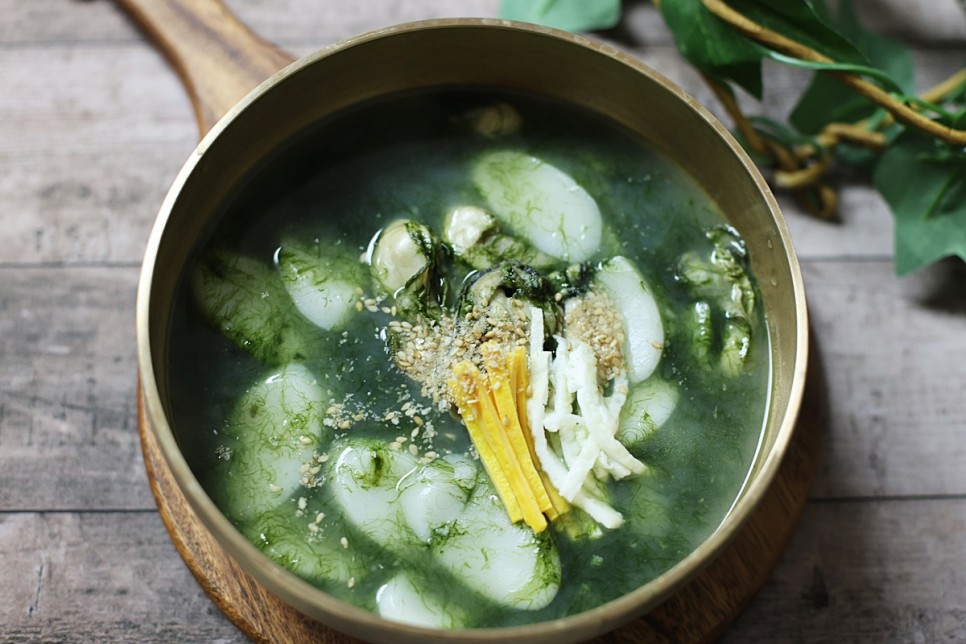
<point x="335" y="195"/>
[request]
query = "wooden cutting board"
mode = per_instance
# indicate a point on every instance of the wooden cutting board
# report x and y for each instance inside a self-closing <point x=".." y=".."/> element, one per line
<point x="220" y="60"/>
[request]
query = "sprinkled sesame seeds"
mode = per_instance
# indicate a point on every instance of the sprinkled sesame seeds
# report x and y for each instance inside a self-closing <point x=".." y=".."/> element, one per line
<point x="427" y="349"/>
<point x="594" y="319"/>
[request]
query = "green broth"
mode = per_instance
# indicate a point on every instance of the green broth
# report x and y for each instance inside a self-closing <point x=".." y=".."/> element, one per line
<point x="409" y="156"/>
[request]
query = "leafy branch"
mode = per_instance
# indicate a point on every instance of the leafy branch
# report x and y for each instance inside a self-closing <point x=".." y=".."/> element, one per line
<point x="858" y="111"/>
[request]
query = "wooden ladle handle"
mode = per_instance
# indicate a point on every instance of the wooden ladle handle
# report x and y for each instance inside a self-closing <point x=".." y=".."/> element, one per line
<point x="218" y="58"/>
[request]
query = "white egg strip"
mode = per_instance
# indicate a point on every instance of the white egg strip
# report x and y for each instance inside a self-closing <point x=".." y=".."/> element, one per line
<point x="598" y="420"/>
<point x="598" y="510"/>
<point x="539" y="368"/>
<point x="580" y="468"/>
<point x="580" y="443"/>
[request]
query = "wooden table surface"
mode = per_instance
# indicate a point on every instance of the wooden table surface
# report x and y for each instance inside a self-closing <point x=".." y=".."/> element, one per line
<point x="93" y="128"/>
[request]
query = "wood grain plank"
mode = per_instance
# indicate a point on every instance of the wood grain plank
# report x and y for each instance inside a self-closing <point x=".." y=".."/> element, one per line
<point x="105" y="577"/>
<point x="864" y="229"/>
<point x="102" y="100"/>
<point x="923" y="22"/>
<point x="84" y="164"/>
<point x="888" y="571"/>
<point x="68" y="434"/>
<point x="92" y="137"/>
<point x="926" y="23"/>
<point x="875" y="571"/>
<point x="93" y="127"/>
<point x="282" y="22"/>
<point x="896" y="369"/>
<point x="81" y="208"/>
<point x="91" y="140"/>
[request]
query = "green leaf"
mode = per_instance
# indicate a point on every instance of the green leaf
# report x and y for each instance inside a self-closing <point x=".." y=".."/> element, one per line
<point x="798" y="20"/>
<point x="569" y="15"/>
<point x="827" y="101"/>
<point x="924" y="183"/>
<point x="712" y="46"/>
<point x="885" y="81"/>
<point x="772" y="129"/>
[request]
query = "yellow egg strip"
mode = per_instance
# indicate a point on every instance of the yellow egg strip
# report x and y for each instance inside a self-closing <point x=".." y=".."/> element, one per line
<point x="498" y="369"/>
<point x="466" y="391"/>
<point x="520" y="382"/>
<point x="493" y="407"/>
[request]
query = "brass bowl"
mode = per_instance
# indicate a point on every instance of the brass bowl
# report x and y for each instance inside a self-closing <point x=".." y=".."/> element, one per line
<point x="504" y="55"/>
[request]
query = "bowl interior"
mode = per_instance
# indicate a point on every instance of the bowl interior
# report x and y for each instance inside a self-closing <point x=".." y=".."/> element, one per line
<point x="440" y="54"/>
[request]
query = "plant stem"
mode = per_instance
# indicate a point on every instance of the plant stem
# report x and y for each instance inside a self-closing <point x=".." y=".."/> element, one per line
<point x="778" y="42"/>
<point x="938" y="92"/>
